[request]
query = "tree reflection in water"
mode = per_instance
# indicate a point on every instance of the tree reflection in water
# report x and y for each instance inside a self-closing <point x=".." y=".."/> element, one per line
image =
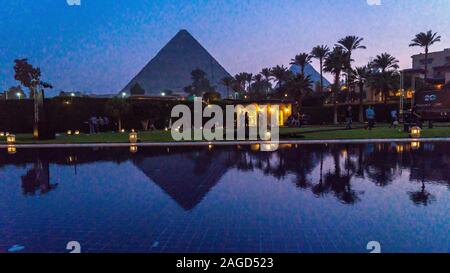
<point x="187" y="174"/>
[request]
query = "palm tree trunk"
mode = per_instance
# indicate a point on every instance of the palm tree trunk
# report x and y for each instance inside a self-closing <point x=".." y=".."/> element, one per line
<point x="119" y="122"/>
<point x="335" y="93"/>
<point x="361" y="106"/>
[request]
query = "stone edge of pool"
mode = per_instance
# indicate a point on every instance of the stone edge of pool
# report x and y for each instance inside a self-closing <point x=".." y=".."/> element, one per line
<point x="224" y="143"/>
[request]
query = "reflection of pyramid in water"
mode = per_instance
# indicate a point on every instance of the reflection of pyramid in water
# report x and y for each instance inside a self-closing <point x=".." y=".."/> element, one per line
<point x="185" y="179"/>
<point x="171" y="68"/>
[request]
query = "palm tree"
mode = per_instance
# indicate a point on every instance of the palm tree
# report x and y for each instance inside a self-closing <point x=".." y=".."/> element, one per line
<point x="240" y="80"/>
<point x="361" y="74"/>
<point x="249" y="79"/>
<point x="228" y="83"/>
<point x="267" y="74"/>
<point x="384" y="76"/>
<point x="320" y="52"/>
<point x="298" y="86"/>
<point x="258" y="86"/>
<point x="426" y="40"/>
<point x="334" y="63"/>
<point x="281" y="74"/>
<point x="384" y="62"/>
<point x="350" y="43"/>
<point x="301" y="60"/>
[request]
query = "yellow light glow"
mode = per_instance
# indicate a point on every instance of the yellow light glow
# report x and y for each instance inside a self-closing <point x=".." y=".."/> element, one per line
<point x="77" y="132"/>
<point x="415" y="145"/>
<point x="133" y="137"/>
<point x="10" y="139"/>
<point x="69" y="132"/>
<point x="11" y="149"/>
<point x="133" y="149"/>
<point x="2" y="134"/>
<point x="122" y="130"/>
<point x="415" y="132"/>
<point x="255" y="147"/>
<point x="399" y="148"/>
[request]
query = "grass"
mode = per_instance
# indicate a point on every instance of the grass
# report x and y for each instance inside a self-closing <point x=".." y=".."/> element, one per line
<point x="309" y="133"/>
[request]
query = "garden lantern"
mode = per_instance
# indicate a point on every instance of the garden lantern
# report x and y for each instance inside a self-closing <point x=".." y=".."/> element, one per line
<point x="69" y="132"/>
<point x="77" y="132"/>
<point x="2" y="134"/>
<point x="415" y="132"/>
<point x="133" y="137"/>
<point x="10" y="139"/>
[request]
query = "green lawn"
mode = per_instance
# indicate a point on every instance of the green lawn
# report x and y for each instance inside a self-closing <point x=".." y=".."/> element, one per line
<point x="381" y="131"/>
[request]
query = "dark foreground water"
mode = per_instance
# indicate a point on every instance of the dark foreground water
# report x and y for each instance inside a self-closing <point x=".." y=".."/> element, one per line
<point x="305" y="198"/>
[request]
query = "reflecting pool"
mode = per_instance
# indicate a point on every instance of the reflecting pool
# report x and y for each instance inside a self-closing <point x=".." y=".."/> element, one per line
<point x="300" y="198"/>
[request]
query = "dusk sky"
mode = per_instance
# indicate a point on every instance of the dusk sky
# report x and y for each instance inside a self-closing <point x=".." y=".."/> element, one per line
<point x="101" y="44"/>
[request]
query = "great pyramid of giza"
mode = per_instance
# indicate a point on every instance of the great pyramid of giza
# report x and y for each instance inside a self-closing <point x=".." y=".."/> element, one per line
<point x="171" y="68"/>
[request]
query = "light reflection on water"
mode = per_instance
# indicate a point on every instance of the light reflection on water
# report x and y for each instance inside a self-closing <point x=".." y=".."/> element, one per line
<point x="301" y="198"/>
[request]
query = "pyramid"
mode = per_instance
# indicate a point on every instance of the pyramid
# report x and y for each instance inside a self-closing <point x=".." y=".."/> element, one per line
<point x="309" y="70"/>
<point x="171" y="68"/>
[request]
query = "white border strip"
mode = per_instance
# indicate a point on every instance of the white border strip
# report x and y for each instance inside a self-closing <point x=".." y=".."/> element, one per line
<point x="225" y="143"/>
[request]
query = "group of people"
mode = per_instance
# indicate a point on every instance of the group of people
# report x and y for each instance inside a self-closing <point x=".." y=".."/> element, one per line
<point x="294" y="120"/>
<point x="98" y="124"/>
<point x="370" y="117"/>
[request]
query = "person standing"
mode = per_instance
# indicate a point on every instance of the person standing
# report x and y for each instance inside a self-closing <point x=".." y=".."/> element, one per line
<point x="349" y="117"/>
<point x="394" y="119"/>
<point x="370" y="115"/>
<point x="93" y="124"/>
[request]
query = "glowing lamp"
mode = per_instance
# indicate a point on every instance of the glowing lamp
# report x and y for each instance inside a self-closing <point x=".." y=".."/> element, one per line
<point x="10" y="139"/>
<point x="415" y="145"/>
<point x="6" y="134"/>
<point x="11" y="149"/>
<point x="77" y="132"/>
<point x="267" y="136"/>
<point x="415" y="132"/>
<point x="133" y="149"/>
<point x="2" y="134"/>
<point x="133" y="137"/>
<point x="69" y="132"/>
<point x="122" y="130"/>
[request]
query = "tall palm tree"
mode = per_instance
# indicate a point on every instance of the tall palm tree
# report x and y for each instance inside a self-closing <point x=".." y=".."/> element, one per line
<point x="320" y="52"/>
<point x="239" y="82"/>
<point x="249" y="79"/>
<point x="228" y="83"/>
<point x="335" y="62"/>
<point x="281" y="74"/>
<point x="266" y="73"/>
<point x="384" y="62"/>
<point x="361" y="75"/>
<point x="298" y="86"/>
<point x="426" y="40"/>
<point x="301" y="60"/>
<point x="350" y="43"/>
<point x="384" y="75"/>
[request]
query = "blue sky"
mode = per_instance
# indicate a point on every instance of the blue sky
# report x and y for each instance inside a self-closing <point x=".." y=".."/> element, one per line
<point x="100" y="45"/>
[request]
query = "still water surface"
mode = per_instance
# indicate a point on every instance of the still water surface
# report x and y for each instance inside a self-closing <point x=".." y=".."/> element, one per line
<point x="301" y="198"/>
